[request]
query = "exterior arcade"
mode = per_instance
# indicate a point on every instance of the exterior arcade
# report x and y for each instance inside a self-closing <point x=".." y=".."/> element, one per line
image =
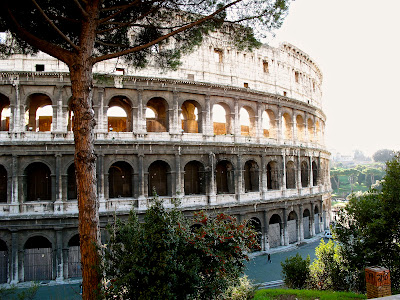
<point x="228" y="131"/>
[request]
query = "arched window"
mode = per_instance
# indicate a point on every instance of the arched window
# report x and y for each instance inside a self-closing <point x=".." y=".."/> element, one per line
<point x="224" y="177"/>
<point x="221" y="119"/>
<point x="74" y="257"/>
<point x="290" y="175"/>
<point x="39" y="114"/>
<point x="159" y="179"/>
<point x="274" y="231"/>
<point x="191" y="122"/>
<point x="4" y="113"/>
<point x="3" y="262"/>
<point x="300" y="128"/>
<point x="292" y="227"/>
<point x="38" y="185"/>
<point x="272" y="176"/>
<point x="157" y="115"/>
<point x="315" y="173"/>
<point x="3" y="184"/>
<point x="251" y="183"/>
<point x="304" y="174"/>
<point x="269" y="124"/>
<point x="120" y="180"/>
<point x="119" y="114"/>
<point x="194" y="178"/>
<point x="246" y="121"/>
<point x="72" y="192"/>
<point x="38" y="259"/>
<point x="286" y="127"/>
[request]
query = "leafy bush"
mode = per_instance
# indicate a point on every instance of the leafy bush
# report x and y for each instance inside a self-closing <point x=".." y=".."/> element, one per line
<point x="326" y="271"/>
<point x="243" y="290"/>
<point x="163" y="258"/>
<point x="296" y="271"/>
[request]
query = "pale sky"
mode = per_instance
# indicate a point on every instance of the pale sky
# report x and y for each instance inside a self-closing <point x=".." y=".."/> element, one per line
<point x="356" y="44"/>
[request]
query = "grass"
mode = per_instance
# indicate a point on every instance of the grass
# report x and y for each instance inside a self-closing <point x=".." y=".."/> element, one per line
<point x="287" y="294"/>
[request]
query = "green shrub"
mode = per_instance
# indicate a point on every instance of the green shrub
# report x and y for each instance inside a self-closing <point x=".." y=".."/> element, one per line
<point x="163" y="258"/>
<point x="295" y="271"/>
<point x="243" y="290"/>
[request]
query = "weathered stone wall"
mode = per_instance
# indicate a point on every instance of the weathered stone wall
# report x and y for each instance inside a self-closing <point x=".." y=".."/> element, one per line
<point x="292" y="231"/>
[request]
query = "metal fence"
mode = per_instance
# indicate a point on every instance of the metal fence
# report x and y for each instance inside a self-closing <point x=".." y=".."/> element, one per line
<point x="38" y="264"/>
<point x="74" y="262"/>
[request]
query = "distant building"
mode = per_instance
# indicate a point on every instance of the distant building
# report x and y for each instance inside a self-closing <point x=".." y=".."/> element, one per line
<point x="229" y="131"/>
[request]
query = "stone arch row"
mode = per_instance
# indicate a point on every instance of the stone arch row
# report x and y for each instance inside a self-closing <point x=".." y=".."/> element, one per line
<point x="161" y="114"/>
<point x="39" y="182"/>
<point x="38" y="259"/>
<point x="46" y="256"/>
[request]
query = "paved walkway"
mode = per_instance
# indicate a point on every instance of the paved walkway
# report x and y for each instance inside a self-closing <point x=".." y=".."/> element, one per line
<point x="260" y="271"/>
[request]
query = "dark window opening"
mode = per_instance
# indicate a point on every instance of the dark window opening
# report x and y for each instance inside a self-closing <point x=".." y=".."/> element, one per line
<point x="38" y="178"/>
<point x="194" y="178"/>
<point x="39" y="68"/>
<point x="251" y="177"/>
<point x="120" y="180"/>
<point x="159" y="179"/>
<point x="72" y="192"/>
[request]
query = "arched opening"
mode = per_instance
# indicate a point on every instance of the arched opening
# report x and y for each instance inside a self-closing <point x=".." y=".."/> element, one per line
<point x="4" y="113"/>
<point x="251" y="182"/>
<point x="39" y="114"/>
<point x="191" y="122"/>
<point x="38" y="182"/>
<point x="3" y="184"/>
<point x="290" y="175"/>
<point x="74" y="257"/>
<point x="304" y="174"/>
<point x="38" y="259"/>
<point x="269" y="124"/>
<point x="255" y="223"/>
<point x="272" y="176"/>
<point x="221" y="119"/>
<point x="194" y="178"/>
<point x="159" y="179"/>
<point x="292" y="227"/>
<point x="157" y="115"/>
<point x="224" y="177"/>
<point x="246" y="121"/>
<point x="310" y="125"/>
<point x="300" y="128"/>
<point x="72" y="191"/>
<point x="315" y="173"/>
<point x="317" y="132"/>
<point x="274" y="231"/>
<point x="306" y="223"/>
<point x="119" y="114"/>
<point x="120" y="180"/>
<point x="3" y="262"/>
<point x="286" y="127"/>
<point x="316" y="219"/>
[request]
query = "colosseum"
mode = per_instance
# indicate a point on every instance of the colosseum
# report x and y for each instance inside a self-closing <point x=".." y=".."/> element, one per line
<point x="234" y="131"/>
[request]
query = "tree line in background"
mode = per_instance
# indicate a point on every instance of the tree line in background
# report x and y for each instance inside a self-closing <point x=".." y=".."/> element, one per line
<point x="367" y="233"/>
<point x="360" y="174"/>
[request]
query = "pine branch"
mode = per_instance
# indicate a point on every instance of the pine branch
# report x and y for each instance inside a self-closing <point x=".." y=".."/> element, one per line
<point x="55" y="27"/>
<point x="81" y="9"/>
<point x="122" y="9"/>
<point x="164" y="37"/>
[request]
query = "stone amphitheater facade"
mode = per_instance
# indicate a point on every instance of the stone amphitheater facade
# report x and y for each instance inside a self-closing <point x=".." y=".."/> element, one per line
<point x="261" y="157"/>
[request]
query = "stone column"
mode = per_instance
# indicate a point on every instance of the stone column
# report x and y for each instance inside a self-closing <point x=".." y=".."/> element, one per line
<point x="266" y="230"/>
<point x="300" y="225"/>
<point x="239" y="178"/>
<point x="282" y="233"/>
<point x="298" y="166"/>
<point x="306" y="134"/>
<point x="264" y="179"/>
<point x="310" y="171"/>
<point x="16" y="122"/>
<point x="58" y="204"/>
<point x="178" y="178"/>
<point x="237" y="131"/>
<point x="294" y="127"/>
<point x="208" y="128"/>
<point x="283" y="170"/>
<point x="14" y="207"/>
<point x="141" y="177"/>
<point x="258" y="122"/>
<point x="285" y="227"/>
<point x="278" y="122"/>
<point x="14" y="261"/>
<point x="101" y="111"/>
<point x="59" y="256"/>
<point x="141" y="114"/>
<point x="212" y="192"/>
<point x="101" y="180"/>
<point x="174" y="115"/>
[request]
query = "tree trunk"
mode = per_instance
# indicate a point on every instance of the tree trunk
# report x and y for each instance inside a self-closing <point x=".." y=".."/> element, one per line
<point x="85" y="166"/>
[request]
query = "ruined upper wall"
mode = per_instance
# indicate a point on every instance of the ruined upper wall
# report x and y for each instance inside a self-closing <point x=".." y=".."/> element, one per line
<point x="285" y="70"/>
